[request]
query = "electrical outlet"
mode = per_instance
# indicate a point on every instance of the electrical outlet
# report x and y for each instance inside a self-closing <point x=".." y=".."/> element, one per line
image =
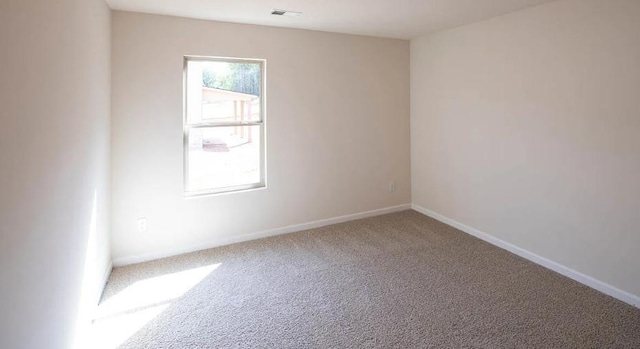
<point x="142" y="224"/>
<point x="392" y="186"/>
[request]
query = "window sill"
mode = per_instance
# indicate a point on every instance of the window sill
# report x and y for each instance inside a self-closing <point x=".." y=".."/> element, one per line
<point x="224" y="191"/>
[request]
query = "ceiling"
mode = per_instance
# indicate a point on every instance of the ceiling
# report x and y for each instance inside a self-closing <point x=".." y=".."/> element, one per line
<point x="402" y="19"/>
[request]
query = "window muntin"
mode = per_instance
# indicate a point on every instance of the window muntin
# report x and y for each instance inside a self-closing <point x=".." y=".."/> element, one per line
<point x="224" y="146"/>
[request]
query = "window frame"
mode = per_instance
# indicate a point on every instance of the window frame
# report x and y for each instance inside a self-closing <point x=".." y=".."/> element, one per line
<point x="261" y="123"/>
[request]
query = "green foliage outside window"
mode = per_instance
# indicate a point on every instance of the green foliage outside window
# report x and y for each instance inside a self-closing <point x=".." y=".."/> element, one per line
<point x="240" y="77"/>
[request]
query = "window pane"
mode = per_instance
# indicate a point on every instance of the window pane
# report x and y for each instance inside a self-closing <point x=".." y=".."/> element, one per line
<point x="222" y="157"/>
<point x="223" y="92"/>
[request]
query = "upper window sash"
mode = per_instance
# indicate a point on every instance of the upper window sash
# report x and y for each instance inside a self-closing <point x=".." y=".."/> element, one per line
<point x="209" y="90"/>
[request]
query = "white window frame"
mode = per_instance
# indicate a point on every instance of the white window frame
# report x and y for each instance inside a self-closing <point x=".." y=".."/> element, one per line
<point x="261" y="123"/>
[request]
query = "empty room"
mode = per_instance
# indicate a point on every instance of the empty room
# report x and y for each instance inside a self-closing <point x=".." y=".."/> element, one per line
<point x="319" y="174"/>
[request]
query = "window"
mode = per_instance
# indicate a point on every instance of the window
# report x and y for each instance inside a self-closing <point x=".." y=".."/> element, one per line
<point x="224" y="131"/>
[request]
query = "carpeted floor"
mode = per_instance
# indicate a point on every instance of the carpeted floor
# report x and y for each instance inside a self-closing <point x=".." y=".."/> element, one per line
<point x="396" y="281"/>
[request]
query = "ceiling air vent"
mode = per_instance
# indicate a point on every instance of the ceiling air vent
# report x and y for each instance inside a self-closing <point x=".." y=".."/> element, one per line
<point x="277" y="12"/>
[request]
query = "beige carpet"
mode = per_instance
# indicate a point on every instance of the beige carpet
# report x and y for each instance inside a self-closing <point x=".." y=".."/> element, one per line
<point x="396" y="281"/>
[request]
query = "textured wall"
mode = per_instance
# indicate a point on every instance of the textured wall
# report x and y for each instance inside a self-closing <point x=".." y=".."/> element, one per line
<point x="54" y="167"/>
<point x="337" y="130"/>
<point x="526" y="127"/>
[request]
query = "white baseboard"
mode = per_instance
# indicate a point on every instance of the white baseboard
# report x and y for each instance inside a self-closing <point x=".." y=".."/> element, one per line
<point x="549" y="264"/>
<point x="105" y="279"/>
<point x="258" y="235"/>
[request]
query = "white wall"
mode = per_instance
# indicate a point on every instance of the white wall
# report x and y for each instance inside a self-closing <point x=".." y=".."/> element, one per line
<point x="526" y="126"/>
<point x="54" y="157"/>
<point x="337" y="130"/>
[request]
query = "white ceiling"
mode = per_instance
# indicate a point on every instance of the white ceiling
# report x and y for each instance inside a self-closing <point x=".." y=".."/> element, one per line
<point x="403" y="19"/>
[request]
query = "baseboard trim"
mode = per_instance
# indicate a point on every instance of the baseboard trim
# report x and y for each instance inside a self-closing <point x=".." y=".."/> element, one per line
<point x="105" y="279"/>
<point x="119" y="262"/>
<point x="549" y="264"/>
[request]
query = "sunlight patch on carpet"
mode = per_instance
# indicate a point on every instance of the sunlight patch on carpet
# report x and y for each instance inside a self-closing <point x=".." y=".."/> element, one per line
<point x="123" y="314"/>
